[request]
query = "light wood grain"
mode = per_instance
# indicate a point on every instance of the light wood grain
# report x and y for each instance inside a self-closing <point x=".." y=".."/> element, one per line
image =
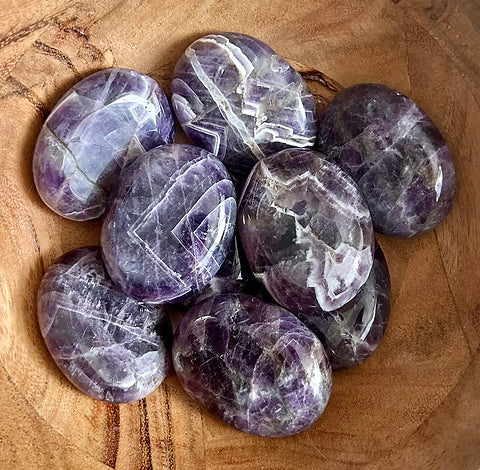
<point x="414" y="404"/>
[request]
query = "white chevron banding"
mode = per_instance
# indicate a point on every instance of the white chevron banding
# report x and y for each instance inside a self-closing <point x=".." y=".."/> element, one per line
<point x="264" y="98"/>
<point x="223" y="105"/>
<point x="157" y="233"/>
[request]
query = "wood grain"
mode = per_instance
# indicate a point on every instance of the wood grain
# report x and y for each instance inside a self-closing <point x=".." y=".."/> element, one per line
<point x="414" y="404"/>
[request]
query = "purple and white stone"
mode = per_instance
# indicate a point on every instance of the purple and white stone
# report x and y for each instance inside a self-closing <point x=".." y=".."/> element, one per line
<point x="170" y="224"/>
<point x="237" y="98"/>
<point x="100" y="125"/>
<point x="394" y="153"/>
<point x="253" y="365"/>
<point x="351" y="333"/>
<point x="306" y="231"/>
<point x="111" y="347"/>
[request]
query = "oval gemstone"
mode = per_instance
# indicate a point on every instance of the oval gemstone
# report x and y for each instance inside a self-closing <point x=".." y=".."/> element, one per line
<point x="111" y="347"/>
<point x="306" y="231"/>
<point x="253" y="365"/>
<point x="170" y="224"/>
<point x="237" y="98"/>
<point x="351" y="333"/>
<point x="100" y="125"/>
<point x="394" y="153"/>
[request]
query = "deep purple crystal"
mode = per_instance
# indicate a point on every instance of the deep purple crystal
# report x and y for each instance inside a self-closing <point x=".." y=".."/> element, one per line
<point x="100" y="125"/>
<point x="237" y="98"/>
<point x="395" y="154"/>
<point x="306" y="231"/>
<point x="170" y="225"/>
<point x="111" y="347"/>
<point x="253" y="365"/>
<point x="351" y="333"/>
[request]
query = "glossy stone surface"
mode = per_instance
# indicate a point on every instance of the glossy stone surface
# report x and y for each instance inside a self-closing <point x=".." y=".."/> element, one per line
<point x="253" y="365"/>
<point x="351" y="333"/>
<point x="170" y="225"/>
<point x="395" y="154"/>
<point x="100" y="125"/>
<point x="237" y="98"/>
<point x="111" y="347"/>
<point x="306" y="231"/>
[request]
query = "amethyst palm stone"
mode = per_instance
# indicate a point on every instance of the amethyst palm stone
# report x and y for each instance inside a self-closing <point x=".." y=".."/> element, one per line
<point x="170" y="224"/>
<point x="306" y="231"/>
<point x="353" y="332"/>
<point x="395" y="154"/>
<point x="253" y="365"/>
<point x="237" y="98"/>
<point x="111" y="347"/>
<point x="100" y="125"/>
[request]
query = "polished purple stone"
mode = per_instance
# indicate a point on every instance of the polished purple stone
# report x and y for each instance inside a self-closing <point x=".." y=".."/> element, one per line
<point x="237" y="98"/>
<point x="111" y="347"/>
<point x="253" y="365"/>
<point x="306" y="231"/>
<point x="394" y="153"/>
<point x="170" y="225"/>
<point x="351" y="333"/>
<point x="100" y="125"/>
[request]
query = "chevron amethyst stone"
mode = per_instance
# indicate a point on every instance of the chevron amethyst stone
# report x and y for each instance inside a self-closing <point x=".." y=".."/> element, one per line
<point x="170" y="225"/>
<point x="395" y="154"/>
<point x="351" y="333"/>
<point x="111" y="347"/>
<point x="237" y="98"/>
<point x="100" y="125"/>
<point x="253" y="365"/>
<point x="306" y="231"/>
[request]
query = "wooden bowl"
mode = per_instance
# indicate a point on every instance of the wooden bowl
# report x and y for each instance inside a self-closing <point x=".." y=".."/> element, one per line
<point x="414" y="404"/>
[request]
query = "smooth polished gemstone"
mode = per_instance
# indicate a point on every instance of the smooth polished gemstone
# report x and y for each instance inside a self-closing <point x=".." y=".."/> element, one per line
<point x="351" y="333"/>
<point x="111" y="347"/>
<point x="237" y="98"/>
<point x="394" y="153"/>
<point x="306" y="231"/>
<point x="170" y="225"/>
<point x="100" y="125"/>
<point x="253" y="365"/>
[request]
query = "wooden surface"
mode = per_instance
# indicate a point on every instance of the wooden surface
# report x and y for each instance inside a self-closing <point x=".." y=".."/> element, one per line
<point x="414" y="405"/>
